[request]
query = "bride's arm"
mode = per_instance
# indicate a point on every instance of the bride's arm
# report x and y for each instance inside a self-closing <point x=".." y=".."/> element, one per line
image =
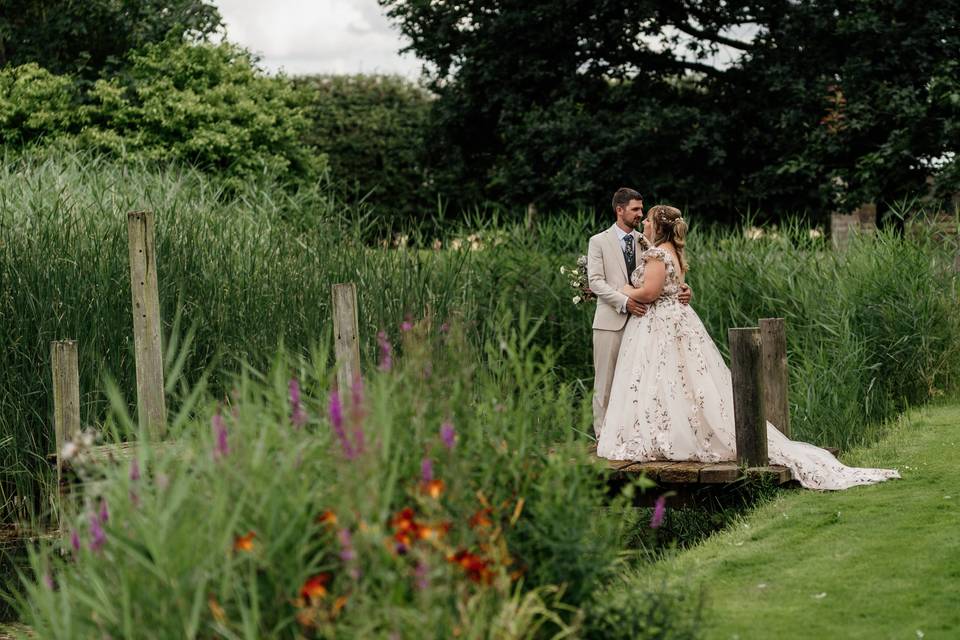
<point x="654" y="277"/>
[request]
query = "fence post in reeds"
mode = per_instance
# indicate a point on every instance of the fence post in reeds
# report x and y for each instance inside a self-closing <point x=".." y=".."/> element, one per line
<point x="749" y="420"/>
<point x="346" y="334"/>
<point x="151" y="407"/>
<point x="66" y="399"/>
<point x="776" y="376"/>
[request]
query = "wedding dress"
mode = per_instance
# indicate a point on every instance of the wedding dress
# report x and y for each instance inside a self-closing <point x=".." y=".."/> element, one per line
<point x="672" y="397"/>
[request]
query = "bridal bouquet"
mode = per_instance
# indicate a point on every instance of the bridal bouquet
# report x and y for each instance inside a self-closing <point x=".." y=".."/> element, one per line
<point x="578" y="280"/>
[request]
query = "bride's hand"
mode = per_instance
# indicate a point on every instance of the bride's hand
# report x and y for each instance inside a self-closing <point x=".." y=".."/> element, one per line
<point x="685" y="294"/>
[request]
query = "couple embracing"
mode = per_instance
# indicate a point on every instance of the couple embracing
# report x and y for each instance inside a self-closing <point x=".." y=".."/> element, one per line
<point x="662" y="391"/>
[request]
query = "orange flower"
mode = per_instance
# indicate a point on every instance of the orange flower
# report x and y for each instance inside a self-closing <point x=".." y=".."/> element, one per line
<point x="403" y="520"/>
<point x="245" y="542"/>
<point x="433" y="488"/>
<point x="306" y="617"/>
<point x="216" y="610"/>
<point x="476" y="567"/>
<point x="338" y="604"/>
<point x="315" y="587"/>
<point x="432" y="532"/>
<point x="327" y="517"/>
<point x="481" y="518"/>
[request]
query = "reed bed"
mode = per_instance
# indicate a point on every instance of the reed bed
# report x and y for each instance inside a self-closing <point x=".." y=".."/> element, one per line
<point x="245" y="273"/>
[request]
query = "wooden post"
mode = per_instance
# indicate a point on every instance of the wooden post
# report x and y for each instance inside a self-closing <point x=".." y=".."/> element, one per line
<point x="531" y="222"/>
<point x="346" y="334"/>
<point x="776" y="377"/>
<point x="863" y="221"/>
<point x="749" y="420"/>
<point x="151" y="407"/>
<point x="66" y="396"/>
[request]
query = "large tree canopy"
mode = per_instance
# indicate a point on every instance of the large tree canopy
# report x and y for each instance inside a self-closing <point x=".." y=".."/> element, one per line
<point x="66" y="36"/>
<point x="724" y="106"/>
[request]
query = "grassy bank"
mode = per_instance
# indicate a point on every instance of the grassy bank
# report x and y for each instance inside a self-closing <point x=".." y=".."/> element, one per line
<point x="872" y="562"/>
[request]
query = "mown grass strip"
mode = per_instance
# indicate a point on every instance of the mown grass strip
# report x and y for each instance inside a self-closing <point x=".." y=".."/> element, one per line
<point x="872" y="562"/>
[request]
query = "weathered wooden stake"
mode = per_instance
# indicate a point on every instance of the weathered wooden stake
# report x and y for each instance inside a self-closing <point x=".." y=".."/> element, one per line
<point x="776" y="377"/>
<point x="66" y="396"/>
<point x="151" y="407"/>
<point x="346" y="334"/>
<point x="532" y="215"/>
<point x="749" y="420"/>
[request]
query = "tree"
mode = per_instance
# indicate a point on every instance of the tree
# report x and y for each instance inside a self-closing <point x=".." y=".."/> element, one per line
<point x="567" y="100"/>
<point x="372" y="130"/>
<point x="86" y="37"/>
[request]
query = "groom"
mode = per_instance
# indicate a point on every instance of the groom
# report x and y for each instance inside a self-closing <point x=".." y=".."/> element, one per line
<point x="611" y="257"/>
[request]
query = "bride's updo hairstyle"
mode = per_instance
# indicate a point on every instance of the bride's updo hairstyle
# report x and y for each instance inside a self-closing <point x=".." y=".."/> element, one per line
<point x="670" y="227"/>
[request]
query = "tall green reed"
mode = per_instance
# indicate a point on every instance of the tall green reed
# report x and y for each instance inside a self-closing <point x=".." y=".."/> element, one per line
<point x="225" y="537"/>
<point x="870" y="329"/>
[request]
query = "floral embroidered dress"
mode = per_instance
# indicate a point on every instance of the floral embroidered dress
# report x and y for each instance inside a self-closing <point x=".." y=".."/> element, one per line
<point x="672" y="397"/>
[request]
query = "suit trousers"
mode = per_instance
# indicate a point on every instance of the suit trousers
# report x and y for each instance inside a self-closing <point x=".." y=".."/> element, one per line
<point x="606" y="347"/>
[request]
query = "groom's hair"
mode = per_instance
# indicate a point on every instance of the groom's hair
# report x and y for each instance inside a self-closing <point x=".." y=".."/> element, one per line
<point x="623" y="196"/>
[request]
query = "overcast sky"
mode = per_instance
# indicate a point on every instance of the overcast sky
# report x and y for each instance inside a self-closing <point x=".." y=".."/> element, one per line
<point x="344" y="36"/>
<point x="318" y="36"/>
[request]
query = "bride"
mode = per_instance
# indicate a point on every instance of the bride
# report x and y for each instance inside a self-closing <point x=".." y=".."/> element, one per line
<point x="672" y="397"/>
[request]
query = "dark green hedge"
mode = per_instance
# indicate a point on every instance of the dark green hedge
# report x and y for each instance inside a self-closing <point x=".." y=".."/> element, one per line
<point x="372" y="129"/>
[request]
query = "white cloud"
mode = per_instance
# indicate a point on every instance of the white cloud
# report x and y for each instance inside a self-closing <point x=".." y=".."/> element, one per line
<point x="318" y="36"/>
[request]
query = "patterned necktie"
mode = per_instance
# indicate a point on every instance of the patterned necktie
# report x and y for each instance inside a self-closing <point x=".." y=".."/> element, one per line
<point x="629" y="254"/>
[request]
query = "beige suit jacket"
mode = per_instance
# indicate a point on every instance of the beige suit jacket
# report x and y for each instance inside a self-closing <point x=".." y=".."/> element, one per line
<point x="607" y="273"/>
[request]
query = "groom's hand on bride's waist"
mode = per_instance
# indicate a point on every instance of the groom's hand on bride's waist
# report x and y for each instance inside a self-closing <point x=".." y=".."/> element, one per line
<point x="636" y="308"/>
<point x="685" y="294"/>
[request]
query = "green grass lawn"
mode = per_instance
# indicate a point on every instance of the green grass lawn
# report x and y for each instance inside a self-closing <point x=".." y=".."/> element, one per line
<point x="871" y="562"/>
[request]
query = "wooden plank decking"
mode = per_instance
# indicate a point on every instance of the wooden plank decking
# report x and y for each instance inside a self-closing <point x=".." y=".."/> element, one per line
<point x="668" y="472"/>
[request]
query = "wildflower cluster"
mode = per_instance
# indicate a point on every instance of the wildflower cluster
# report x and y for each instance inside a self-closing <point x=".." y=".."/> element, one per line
<point x="578" y="280"/>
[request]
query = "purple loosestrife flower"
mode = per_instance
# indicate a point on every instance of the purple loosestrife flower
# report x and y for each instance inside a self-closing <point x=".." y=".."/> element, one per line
<point x="357" y="414"/>
<point x="386" y="352"/>
<point x="221" y="448"/>
<point x="426" y="470"/>
<point x="406" y="326"/>
<point x="48" y="581"/>
<point x="336" y="421"/>
<point x="347" y="553"/>
<point x="97" y="535"/>
<point x="104" y="513"/>
<point x="659" y="509"/>
<point x="75" y="541"/>
<point x="298" y="416"/>
<point x="356" y="396"/>
<point x="449" y="435"/>
<point x="421" y="576"/>
<point x="134" y="470"/>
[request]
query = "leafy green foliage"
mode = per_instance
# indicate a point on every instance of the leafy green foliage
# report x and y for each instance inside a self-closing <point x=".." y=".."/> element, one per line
<point x="826" y="104"/>
<point x="631" y="608"/>
<point x="574" y="541"/>
<point x="35" y="103"/>
<point x="373" y="129"/>
<point x="204" y="105"/>
<point x="92" y="36"/>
